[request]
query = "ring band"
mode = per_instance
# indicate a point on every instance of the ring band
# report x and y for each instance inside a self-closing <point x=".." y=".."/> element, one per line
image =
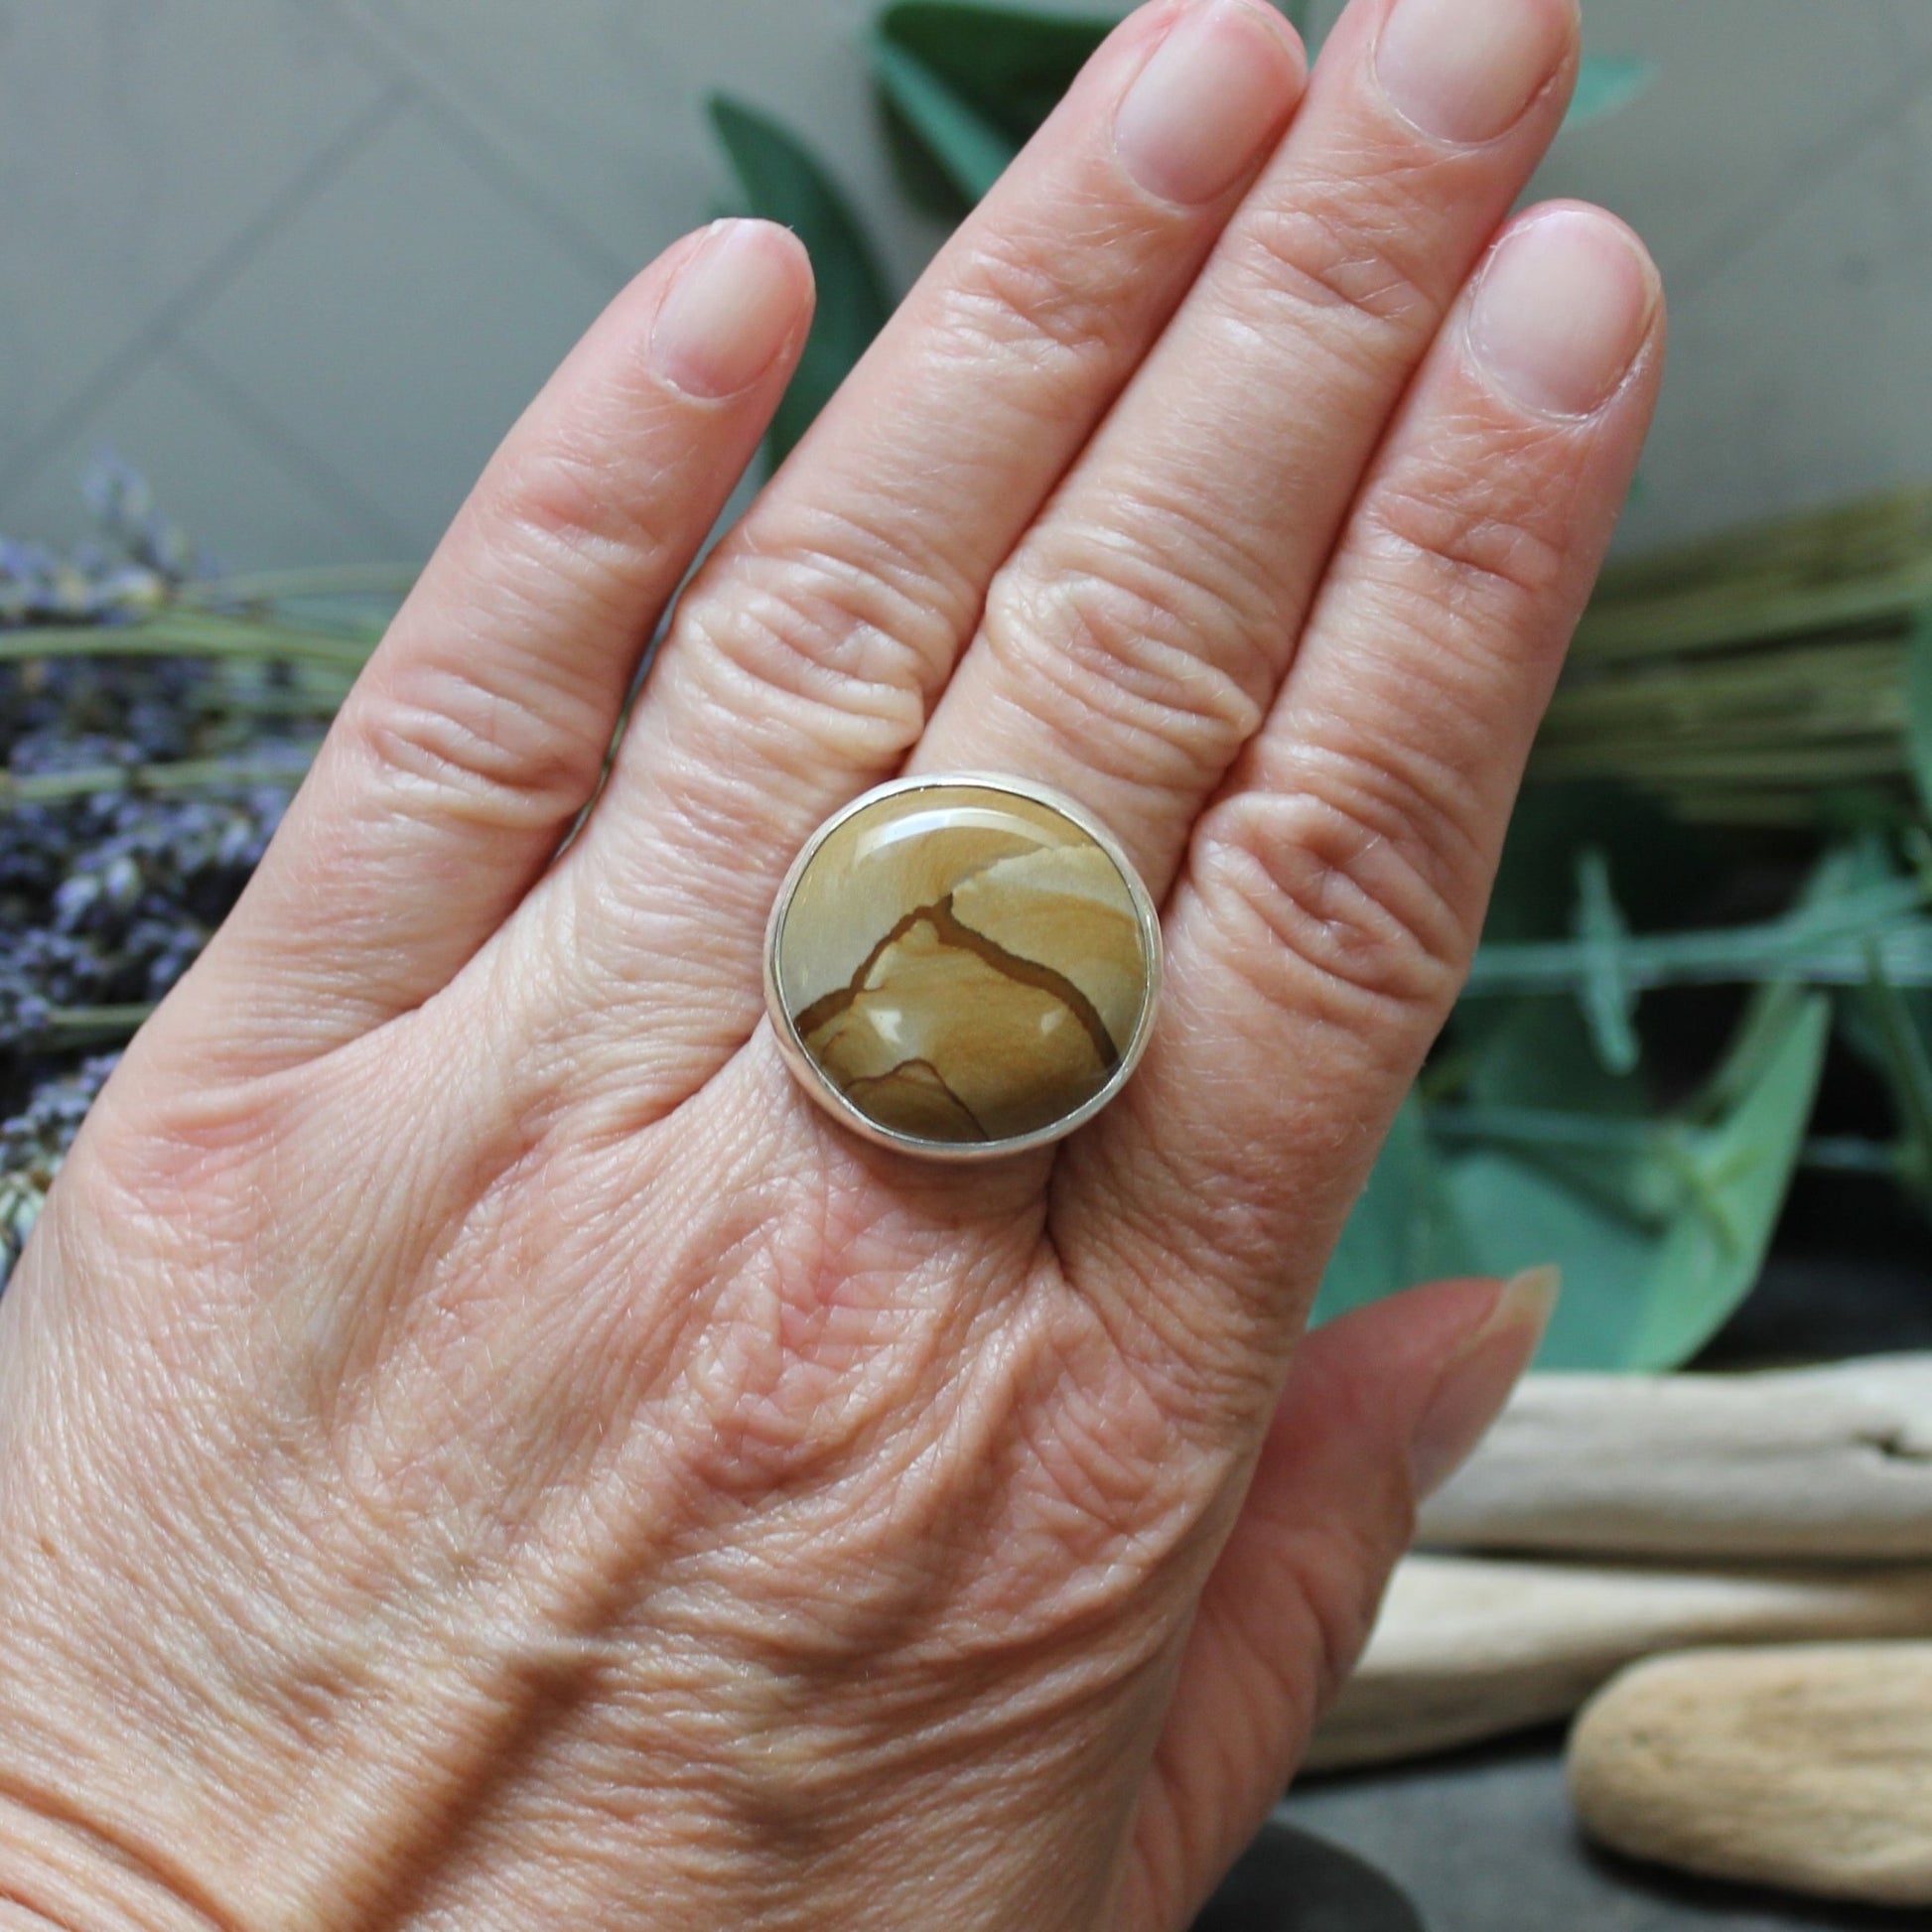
<point x="962" y="967"/>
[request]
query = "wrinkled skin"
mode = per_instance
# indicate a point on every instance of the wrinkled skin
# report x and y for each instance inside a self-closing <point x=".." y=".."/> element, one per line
<point x="476" y="1447"/>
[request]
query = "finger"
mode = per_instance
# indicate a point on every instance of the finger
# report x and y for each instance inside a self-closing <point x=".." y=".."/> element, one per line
<point x="1136" y="641"/>
<point x="801" y="663"/>
<point x="1334" y="891"/>
<point x="478" y="731"/>
<point x="1379" y="1408"/>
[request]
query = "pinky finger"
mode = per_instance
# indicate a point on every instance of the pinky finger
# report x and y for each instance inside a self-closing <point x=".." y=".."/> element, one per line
<point x="479" y="727"/>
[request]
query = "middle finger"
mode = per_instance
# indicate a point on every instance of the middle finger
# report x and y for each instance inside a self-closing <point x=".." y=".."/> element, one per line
<point x="1133" y="643"/>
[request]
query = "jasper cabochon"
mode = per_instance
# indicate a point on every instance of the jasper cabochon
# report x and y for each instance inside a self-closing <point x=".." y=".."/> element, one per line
<point x="963" y="964"/>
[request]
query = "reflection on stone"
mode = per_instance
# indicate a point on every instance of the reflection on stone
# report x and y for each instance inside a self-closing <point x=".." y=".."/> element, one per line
<point x="963" y="964"/>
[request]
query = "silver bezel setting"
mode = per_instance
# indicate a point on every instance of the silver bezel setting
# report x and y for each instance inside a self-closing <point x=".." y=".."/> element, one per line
<point x="805" y="1069"/>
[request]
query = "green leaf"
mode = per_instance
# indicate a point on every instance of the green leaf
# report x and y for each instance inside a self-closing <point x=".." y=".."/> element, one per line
<point x="1609" y="998"/>
<point x="1540" y="1054"/>
<point x="1009" y="65"/>
<point x="969" y="152"/>
<point x="1906" y="1046"/>
<point x="1405" y="1229"/>
<point x="966" y="85"/>
<point x="1820" y="942"/>
<point x="1918" y="704"/>
<point x="1734" y="1174"/>
<point x="1660" y="1225"/>
<point x="1664" y="869"/>
<point x="782" y="182"/>
<point x="1606" y="82"/>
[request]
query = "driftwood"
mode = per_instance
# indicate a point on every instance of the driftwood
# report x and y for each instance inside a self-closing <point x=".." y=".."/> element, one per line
<point x="1468" y="1648"/>
<point x="1831" y="1465"/>
<point x="1807" y="1769"/>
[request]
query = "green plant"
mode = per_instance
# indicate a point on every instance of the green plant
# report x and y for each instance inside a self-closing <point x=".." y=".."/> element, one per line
<point x="1746" y="722"/>
<point x="1758" y="705"/>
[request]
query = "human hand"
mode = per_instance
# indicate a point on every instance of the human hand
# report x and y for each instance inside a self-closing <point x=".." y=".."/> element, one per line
<point x="479" y="1447"/>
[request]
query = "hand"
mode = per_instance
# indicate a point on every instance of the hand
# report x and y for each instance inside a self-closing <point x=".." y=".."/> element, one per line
<point x="479" y="1448"/>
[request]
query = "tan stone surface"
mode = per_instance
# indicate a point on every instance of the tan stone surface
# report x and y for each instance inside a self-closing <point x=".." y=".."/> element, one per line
<point x="963" y="964"/>
<point x="1807" y="1465"/>
<point x="1808" y="1768"/>
<point x="1467" y="1648"/>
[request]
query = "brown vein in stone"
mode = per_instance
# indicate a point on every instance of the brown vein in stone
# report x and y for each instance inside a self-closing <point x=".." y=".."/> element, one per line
<point x="952" y="931"/>
<point x="871" y="1080"/>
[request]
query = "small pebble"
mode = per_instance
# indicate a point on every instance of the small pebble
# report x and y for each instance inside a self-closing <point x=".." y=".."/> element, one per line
<point x="1805" y="1767"/>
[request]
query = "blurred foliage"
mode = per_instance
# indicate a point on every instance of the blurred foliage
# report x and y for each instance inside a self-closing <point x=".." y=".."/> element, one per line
<point x="155" y="716"/>
<point x="1757" y="707"/>
<point x="782" y="182"/>
<point x="1720" y="870"/>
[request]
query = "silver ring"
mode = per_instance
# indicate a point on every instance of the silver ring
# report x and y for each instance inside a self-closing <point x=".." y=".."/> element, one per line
<point x="962" y="966"/>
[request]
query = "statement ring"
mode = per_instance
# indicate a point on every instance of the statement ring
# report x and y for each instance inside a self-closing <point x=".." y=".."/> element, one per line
<point x="962" y="967"/>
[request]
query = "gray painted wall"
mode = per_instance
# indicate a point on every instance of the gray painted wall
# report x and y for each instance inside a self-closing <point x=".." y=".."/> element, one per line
<point x="303" y="260"/>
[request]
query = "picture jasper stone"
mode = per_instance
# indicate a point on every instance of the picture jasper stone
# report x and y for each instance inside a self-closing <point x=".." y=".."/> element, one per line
<point x="963" y="964"/>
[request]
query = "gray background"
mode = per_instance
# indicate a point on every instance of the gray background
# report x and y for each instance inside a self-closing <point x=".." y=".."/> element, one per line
<point x="303" y="260"/>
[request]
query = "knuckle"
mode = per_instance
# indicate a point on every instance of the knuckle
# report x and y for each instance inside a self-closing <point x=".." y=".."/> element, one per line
<point x="1024" y="295"/>
<point x="459" y="743"/>
<point x="1350" y="887"/>
<point x="553" y="511"/>
<point x="833" y="638"/>
<point x="1104" y="633"/>
<point x="1467" y="545"/>
<point x="1342" y="254"/>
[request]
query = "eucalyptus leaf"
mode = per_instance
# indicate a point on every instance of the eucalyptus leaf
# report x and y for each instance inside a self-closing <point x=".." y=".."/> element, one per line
<point x="1606" y="82"/>
<point x="1734" y="1174"/>
<point x="1009" y="65"/>
<point x="966" y="85"/>
<point x="1660" y="1225"/>
<point x="1538" y="1053"/>
<point x="1405" y="1229"/>
<point x="1664" y="870"/>
<point x="1609" y="998"/>
<point x="1918" y="704"/>
<point x="781" y="180"/>
<point x="1906" y="1060"/>
<point x="968" y="151"/>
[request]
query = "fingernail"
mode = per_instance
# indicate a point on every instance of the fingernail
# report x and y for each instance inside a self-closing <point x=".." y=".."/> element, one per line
<point x="1465" y="70"/>
<point x="729" y="313"/>
<point x="1479" y="1381"/>
<point x="1561" y="309"/>
<point x="1212" y="94"/>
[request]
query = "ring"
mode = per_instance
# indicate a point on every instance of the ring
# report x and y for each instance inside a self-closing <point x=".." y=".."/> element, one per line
<point x="962" y="967"/>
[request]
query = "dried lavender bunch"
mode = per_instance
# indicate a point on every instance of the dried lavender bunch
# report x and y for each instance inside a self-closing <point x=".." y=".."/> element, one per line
<point x="106" y="900"/>
<point x="141" y="560"/>
<point x="35" y="1142"/>
<point x="137" y="793"/>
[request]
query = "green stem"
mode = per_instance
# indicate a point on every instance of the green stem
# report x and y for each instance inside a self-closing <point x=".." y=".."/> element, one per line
<point x="288" y="586"/>
<point x="190" y="774"/>
<point x="1821" y="946"/>
<point x="71" y="1026"/>
<point x="189" y="634"/>
<point x="1600" y="1133"/>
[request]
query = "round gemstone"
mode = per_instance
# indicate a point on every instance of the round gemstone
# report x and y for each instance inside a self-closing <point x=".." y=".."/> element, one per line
<point x="964" y="964"/>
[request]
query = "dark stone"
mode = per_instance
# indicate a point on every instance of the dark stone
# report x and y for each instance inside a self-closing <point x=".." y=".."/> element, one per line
<point x="1486" y="1841"/>
<point x="1288" y="1881"/>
